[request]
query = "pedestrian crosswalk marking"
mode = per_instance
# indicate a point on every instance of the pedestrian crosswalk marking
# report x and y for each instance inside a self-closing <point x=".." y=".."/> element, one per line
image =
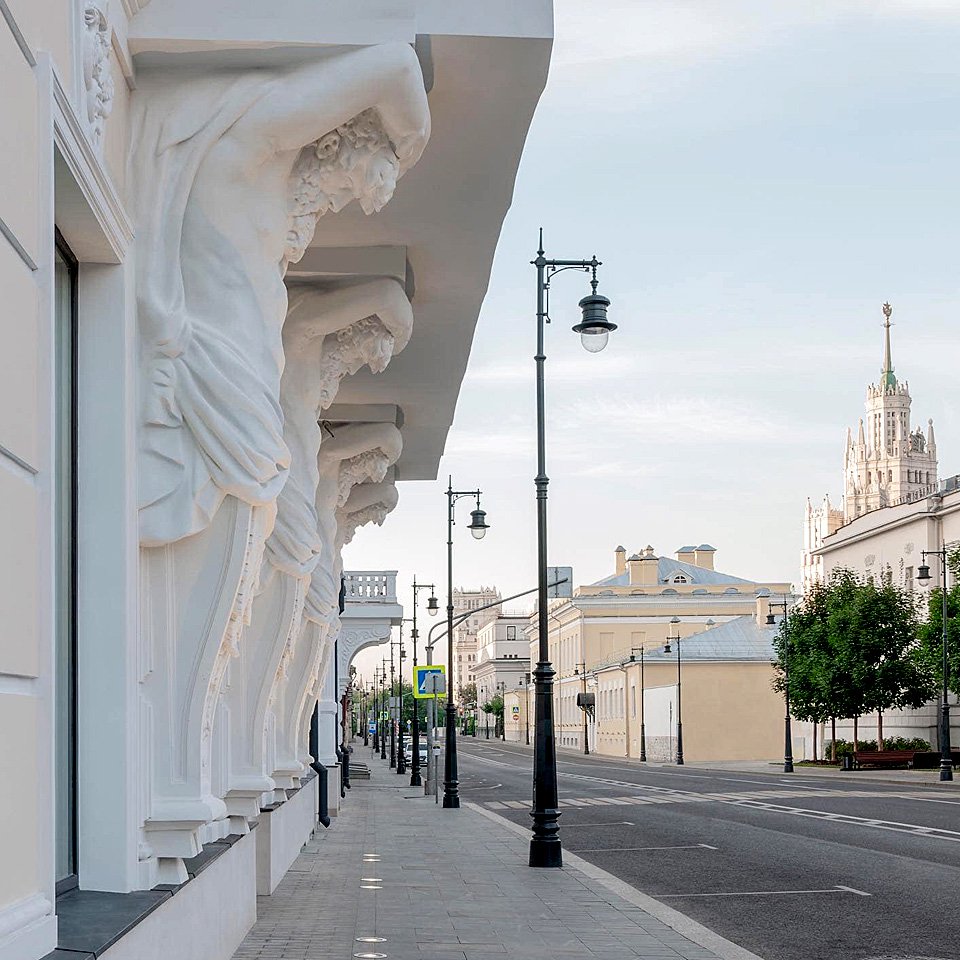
<point x="754" y="799"/>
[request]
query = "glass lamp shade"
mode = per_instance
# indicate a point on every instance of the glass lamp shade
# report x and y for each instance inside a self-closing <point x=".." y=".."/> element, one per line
<point x="478" y="523"/>
<point x="432" y="606"/>
<point x="771" y="619"/>
<point x="593" y="341"/>
<point x="595" y="328"/>
<point x="923" y="574"/>
<point x="666" y="647"/>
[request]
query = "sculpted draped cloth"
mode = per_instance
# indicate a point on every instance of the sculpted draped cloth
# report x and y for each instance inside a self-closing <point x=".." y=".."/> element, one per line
<point x="211" y="423"/>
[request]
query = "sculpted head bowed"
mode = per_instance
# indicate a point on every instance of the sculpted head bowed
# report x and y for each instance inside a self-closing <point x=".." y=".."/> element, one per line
<point x="354" y="162"/>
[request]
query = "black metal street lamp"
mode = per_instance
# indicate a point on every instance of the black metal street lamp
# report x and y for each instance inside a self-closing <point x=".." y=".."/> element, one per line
<point x="432" y="608"/>
<point x="375" y="707"/>
<point x="643" y="726"/>
<point x="923" y="576"/>
<point x="391" y="700"/>
<point x="581" y="669"/>
<point x="401" y="760"/>
<point x="383" y="710"/>
<point x="525" y="683"/>
<point x="502" y="687"/>
<point x="478" y="527"/>
<point x="666" y="649"/>
<point x="787" y="731"/>
<point x="594" y="329"/>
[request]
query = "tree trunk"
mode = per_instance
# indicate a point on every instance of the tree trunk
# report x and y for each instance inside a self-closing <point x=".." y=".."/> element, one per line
<point x="856" y="735"/>
<point x="833" y="739"/>
<point x="879" y="729"/>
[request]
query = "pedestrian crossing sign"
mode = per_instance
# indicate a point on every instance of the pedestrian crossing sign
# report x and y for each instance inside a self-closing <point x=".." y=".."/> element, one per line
<point x="424" y="686"/>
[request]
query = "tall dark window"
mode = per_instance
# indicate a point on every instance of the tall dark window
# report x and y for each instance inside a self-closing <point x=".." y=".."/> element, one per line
<point x="65" y="571"/>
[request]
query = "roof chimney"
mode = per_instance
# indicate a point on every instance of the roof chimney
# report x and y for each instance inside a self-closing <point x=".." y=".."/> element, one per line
<point x="620" y="556"/>
<point x="703" y="556"/>
<point x="644" y="568"/>
<point x="686" y="554"/>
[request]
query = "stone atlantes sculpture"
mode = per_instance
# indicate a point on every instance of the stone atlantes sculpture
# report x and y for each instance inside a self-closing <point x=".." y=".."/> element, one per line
<point x="312" y="673"/>
<point x="327" y="336"/>
<point x="358" y="453"/>
<point x="228" y="168"/>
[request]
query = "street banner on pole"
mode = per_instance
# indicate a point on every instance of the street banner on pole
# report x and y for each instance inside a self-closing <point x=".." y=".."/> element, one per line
<point x="423" y="686"/>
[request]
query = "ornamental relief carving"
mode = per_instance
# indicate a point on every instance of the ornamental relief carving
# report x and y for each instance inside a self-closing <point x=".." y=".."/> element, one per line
<point x="97" y="73"/>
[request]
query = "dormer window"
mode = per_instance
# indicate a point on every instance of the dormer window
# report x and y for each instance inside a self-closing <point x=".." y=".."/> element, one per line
<point x="679" y="578"/>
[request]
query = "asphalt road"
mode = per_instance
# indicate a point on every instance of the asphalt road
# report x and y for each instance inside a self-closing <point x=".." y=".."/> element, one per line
<point x="800" y="867"/>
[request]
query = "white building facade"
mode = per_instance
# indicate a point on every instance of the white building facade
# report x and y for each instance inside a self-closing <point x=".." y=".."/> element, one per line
<point x="470" y="604"/>
<point x="232" y="247"/>
<point x="503" y="662"/>
<point x="888" y="463"/>
<point x="894" y="508"/>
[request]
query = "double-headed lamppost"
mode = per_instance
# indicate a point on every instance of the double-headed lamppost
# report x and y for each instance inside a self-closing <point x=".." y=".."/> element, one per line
<point x="666" y="649"/>
<point x="432" y="608"/>
<point x="478" y="526"/>
<point x="923" y="576"/>
<point x="594" y="329"/>
<point x="787" y="731"/>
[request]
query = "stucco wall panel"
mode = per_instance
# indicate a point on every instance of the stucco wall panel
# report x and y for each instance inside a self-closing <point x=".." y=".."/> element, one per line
<point x="19" y="428"/>
<point x="48" y="25"/>
<point x="19" y="832"/>
<point x="19" y="160"/>
<point x="19" y="595"/>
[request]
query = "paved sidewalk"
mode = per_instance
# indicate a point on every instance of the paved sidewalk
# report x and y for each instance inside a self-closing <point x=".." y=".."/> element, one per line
<point x="453" y="885"/>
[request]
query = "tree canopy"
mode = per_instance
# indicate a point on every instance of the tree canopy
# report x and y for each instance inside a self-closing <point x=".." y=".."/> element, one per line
<point x="851" y="648"/>
<point x="931" y="632"/>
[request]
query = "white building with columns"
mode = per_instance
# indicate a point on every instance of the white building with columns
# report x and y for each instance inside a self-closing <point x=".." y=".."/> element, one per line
<point x="233" y="246"/>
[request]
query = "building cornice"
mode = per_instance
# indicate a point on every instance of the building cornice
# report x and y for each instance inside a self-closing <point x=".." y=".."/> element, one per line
<point x="843" y="538"/>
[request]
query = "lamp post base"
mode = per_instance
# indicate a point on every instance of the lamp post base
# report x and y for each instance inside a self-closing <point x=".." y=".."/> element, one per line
<point x="545" y="852"/>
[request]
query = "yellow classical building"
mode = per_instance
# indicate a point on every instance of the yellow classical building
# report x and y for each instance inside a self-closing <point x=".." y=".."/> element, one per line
<point x="608" y="646"/>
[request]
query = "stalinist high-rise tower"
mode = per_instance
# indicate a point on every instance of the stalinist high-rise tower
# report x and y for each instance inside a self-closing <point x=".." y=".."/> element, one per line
<point x="887" y="463"/>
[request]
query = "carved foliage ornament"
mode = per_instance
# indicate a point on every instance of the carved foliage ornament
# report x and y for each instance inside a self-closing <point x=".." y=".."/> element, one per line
<point x="97" y="76"/>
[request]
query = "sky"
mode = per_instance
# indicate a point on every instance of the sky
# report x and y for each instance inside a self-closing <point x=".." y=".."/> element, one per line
<point x="758" y="177"/>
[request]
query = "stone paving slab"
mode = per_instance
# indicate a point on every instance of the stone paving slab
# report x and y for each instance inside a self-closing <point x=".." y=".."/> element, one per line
<point x="441" y="884"/>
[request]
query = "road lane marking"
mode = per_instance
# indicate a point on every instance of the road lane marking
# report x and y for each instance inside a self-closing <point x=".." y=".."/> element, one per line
<point x="760" y="893"/>
<point x="601" y="823"/>
<point x="688" y="846"/>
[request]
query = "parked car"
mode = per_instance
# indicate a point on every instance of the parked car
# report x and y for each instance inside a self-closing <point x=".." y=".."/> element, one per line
<point x="408" y="750"/>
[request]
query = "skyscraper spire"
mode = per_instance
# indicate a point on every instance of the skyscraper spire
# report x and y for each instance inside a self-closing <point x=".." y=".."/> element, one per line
<point x="887" y="378"/>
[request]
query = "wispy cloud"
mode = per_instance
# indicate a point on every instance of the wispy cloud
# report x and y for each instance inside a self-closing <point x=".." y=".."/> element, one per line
<point x="682" y="421"/>
<point x="680" y="30"/>
<point x="560" y="371"/>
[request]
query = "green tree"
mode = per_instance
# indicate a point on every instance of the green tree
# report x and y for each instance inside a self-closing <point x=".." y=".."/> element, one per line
<point x="851" y="644"/>
<point x="467" y="696"/>
<point x="931" y="632"/>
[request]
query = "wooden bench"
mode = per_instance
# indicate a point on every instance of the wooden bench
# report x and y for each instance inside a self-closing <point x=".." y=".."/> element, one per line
<point x="884" y="758"/>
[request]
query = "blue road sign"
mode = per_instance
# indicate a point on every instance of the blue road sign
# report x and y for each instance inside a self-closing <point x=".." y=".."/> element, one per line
<point x="425" y="688"/>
